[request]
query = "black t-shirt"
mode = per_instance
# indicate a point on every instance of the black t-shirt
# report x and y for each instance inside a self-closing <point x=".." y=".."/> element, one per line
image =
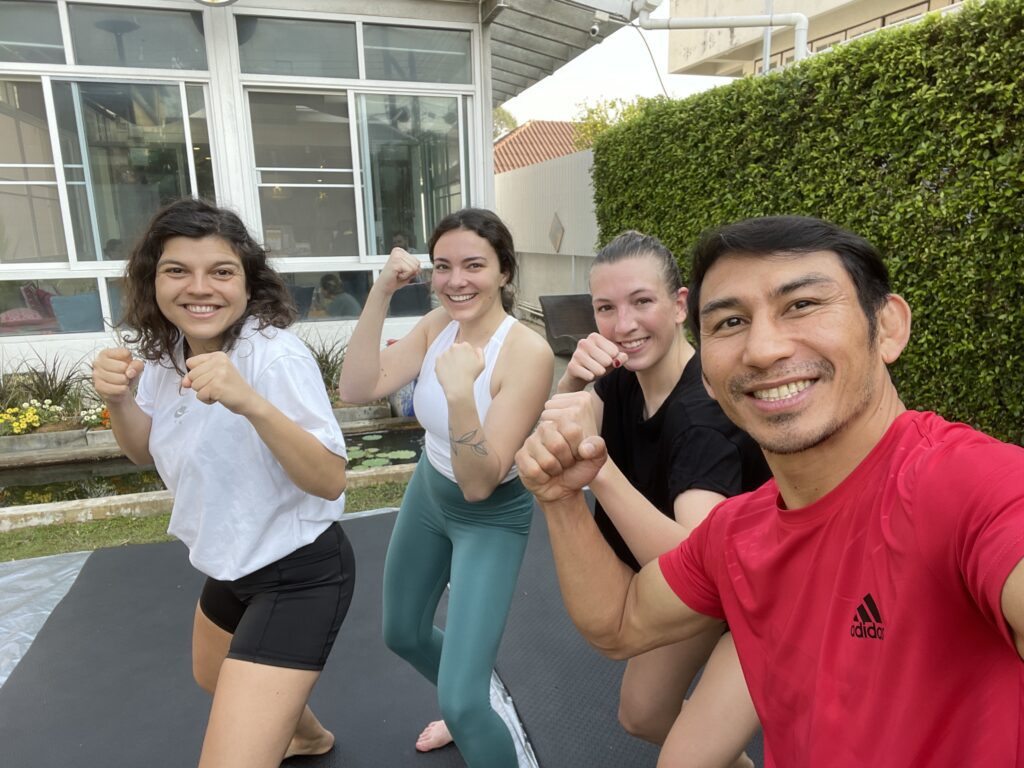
<point x="688" y="444"/>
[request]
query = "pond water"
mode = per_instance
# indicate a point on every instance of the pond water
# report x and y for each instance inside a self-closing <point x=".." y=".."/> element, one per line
<point x="114" y="477"/>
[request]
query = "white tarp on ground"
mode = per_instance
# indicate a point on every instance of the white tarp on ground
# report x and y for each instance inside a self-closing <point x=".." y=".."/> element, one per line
<point x="29" y="591"/>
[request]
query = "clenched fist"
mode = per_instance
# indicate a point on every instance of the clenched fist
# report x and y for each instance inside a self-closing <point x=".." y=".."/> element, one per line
<point x="593" y="357"/>
<point x="214" y="379"/>
<point x="400" y="269"/>
<point x="557" y="461"/>
<point x="114" y="371"/>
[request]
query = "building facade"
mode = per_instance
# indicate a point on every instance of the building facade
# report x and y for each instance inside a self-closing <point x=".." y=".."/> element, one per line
<point x="337" y="129"/>
<point x="737" y="52"/>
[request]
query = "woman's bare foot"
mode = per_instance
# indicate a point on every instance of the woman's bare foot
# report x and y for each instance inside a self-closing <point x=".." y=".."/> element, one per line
<point x="434" y="736"/>
<point x="318" y="745"/>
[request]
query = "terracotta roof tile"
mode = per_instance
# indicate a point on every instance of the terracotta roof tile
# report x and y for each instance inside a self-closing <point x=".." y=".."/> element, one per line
<point x="533" y="142"/>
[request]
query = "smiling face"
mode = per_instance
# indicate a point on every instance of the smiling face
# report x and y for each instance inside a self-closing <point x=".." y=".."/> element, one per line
<point x="786" y="351"/>
<point x="467" y="277"/>
<point x="634" y="308"/>
<point x="201" y="289"/>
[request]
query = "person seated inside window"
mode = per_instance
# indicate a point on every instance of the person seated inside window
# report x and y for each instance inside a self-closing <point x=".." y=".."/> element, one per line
<point x="334" y="299"/>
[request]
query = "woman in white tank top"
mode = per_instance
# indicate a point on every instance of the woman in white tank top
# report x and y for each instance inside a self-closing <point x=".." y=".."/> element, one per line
<point x="482" y="382"/>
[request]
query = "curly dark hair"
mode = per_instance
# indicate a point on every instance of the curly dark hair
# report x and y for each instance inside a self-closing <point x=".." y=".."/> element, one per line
<point x="487" y="225"/>
<point x="153" y="335"/>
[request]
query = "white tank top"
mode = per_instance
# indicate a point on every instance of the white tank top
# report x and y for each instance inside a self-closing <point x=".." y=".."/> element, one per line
<point x="431" y="406"/>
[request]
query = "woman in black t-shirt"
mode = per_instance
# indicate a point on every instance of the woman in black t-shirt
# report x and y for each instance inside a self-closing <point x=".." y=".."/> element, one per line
<point x="673" y="455"/>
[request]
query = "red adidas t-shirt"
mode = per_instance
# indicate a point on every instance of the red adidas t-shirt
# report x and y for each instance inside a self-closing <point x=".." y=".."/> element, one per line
<point x="869" y="624"/>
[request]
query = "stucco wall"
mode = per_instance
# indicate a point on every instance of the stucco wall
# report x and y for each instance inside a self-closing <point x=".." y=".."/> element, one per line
<point x="528" y="200"/>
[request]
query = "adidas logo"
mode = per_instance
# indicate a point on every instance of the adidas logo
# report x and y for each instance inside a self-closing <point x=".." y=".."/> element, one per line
<point x="867" y="621"/>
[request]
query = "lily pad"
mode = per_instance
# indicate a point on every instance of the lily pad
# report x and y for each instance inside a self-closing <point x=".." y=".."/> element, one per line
<point x="399" y="455"/>
<point x="370" y="438"/>
<point x="375" y="462"/>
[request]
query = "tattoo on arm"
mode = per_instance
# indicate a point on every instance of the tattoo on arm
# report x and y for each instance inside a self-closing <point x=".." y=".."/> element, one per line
<point x="479" y="447"/>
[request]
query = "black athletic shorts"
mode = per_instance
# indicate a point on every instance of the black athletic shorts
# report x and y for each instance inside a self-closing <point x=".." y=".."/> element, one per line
<point x="288" y="613"/>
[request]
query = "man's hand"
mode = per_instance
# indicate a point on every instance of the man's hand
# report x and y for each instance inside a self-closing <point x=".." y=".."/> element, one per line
<point x="557" y="461"/>
<point x="572" y="408"/>
<point x="113" y="372"/>
<point x="216" y="380"/>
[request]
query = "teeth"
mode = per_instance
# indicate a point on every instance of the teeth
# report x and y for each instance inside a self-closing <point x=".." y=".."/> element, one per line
<point x="782" y="392"/>
<point x="462" y="297"/>
<point x="632" y="344"/>
<point x="200" y="308"/>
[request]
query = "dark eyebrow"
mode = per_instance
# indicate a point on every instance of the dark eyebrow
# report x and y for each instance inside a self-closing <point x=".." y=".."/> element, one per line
<point x="730" y="302"/>
<point x="216" y="265"/>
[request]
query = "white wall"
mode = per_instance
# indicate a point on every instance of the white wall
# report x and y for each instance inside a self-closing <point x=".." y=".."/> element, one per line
<point x="527" y="199"/>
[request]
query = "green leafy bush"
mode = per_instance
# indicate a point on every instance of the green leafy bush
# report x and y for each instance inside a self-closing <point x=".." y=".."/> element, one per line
<point x="912" y="137"/>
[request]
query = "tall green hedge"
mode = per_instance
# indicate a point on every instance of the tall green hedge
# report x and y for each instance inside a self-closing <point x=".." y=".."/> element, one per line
<point x="912" y="137"/>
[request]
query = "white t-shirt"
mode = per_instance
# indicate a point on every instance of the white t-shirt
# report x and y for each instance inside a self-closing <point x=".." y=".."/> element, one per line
<point x="234" y="506"/>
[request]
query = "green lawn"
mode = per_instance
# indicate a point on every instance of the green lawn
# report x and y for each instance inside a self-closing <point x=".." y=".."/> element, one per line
<point x="116" y="532"/>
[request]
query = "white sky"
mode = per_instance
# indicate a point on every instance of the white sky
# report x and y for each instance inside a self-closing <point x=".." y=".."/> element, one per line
<point x="618" y="68"/>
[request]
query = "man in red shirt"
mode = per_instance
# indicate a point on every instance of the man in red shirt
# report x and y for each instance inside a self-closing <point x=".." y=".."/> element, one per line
<point x="875" y="586"/>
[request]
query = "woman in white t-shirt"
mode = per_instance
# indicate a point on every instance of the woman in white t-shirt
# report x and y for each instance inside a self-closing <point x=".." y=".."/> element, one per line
<point x="232" y="410"/>
<point x="481" y="381"/>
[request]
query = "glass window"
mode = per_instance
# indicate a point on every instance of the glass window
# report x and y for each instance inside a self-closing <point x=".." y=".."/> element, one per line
<point x="297" y="47"/>
<point x="31" y="228"/>
<point x="410" y="300"/>
<point x="416" y="54"/>
<point x="31" y="33"/>
<point x="411" y="161"/>
<point x="124" y="158"/>
<point x="200" y="131"/>
<point x="115" y="298"/>
<point x="114" y="36"/>
<point x="303" y="152"/>
<point x="49" y="306"/>
<point x="329" y="295"/>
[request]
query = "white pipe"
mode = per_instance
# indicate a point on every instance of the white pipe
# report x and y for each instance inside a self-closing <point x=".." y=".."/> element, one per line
<point x="796" y="20"/>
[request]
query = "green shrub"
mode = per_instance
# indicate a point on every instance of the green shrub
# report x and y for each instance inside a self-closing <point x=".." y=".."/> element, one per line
<point x="329" y="355"/>
<point x="912" y="137"/>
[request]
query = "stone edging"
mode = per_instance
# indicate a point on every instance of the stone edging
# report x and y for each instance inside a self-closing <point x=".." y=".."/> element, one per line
<point x="73" y="445"/>
<point x="152" y="503"/>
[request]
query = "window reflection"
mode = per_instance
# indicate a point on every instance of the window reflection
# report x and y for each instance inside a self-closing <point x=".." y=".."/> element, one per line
<point x="125" y="159"/>
<point x="49" y="305"/>
<point x="411" y="159"/>
<point x="134" y="37"/>
<point x="297" y="47"/>
<point x="416" y="54"/>
<point x="303" y="152"/>
<point x="31" y="33"/>
<point x="329" y="295"/>
<point x="31" y="228"/>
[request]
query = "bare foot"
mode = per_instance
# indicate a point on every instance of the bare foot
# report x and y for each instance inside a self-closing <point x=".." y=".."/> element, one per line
<point x="319" y="745"/>
<point x="434" y="736"/>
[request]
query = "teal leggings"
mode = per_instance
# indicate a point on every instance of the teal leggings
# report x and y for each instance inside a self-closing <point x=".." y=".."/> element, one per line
<point x="478" y="547"/>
